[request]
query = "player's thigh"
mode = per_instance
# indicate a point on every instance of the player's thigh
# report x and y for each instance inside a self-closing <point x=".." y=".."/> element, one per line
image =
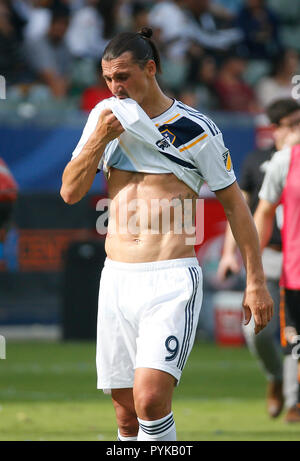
<point x="167" y="328"/>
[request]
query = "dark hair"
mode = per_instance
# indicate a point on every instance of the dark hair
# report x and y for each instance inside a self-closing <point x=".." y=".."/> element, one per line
<point x="281" y="108"/>
<point x="139" y="44"/>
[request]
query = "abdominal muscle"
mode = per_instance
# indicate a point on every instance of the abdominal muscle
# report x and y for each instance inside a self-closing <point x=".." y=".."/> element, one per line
<point x="150" y="217"/>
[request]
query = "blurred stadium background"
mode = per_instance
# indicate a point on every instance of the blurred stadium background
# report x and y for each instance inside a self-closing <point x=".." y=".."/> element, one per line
<point x="218" y="56"/>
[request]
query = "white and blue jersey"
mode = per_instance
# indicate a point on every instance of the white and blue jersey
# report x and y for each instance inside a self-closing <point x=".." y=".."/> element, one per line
<point x="183" y="141"/>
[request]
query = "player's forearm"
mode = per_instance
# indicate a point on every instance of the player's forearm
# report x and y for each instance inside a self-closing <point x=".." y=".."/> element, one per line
<point x="230" y="245"/>
<point x="244" y="232"/>
<point x="264" y="221"/>
<point x="79" y="173"/>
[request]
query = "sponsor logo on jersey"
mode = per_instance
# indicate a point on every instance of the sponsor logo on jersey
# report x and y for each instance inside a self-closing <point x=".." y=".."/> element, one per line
<point x="163" y="144"/>
<point x="227" y="160"/>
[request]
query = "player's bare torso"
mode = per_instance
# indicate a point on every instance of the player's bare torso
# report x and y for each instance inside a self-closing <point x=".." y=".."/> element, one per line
<point x="151" y="217"/>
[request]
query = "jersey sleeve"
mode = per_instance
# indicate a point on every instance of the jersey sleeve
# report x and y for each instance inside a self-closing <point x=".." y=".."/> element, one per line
<point x="214" y="163"/>
<point x="88" y="130"/>
<point x="275" y="177"/>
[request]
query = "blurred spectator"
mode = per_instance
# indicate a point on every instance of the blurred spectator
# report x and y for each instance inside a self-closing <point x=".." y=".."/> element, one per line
<point x="192" y="22"/>
<point x="75" y="4"/>
<point x="233" y="93"/>
<point x="123" y="15"/>
<point x="85" y="36"/>
<point x="49" y="56"/>
<point x="279" y="84"/>
<point x="39" y="18"/>
<point x="204" y="84"/>
<point x="17" y="17"/>
<point x="193" y="37"/>
<point x="140" y="12"/>
<point x="261" y="30"/>
<point x="289" y="13"/>
<point x="11" y="27"/>
<point x="108" y="10"/>
<point x="201" y="85"/>
<point x="233" y="6"/>
<point x="94" y="94"/>
<point x="170" y="32"/>
<point x="189" y="97"/>
<point x="209" y="28"/>
<point x="192" y="30"/>
<point x="38" y="14"/>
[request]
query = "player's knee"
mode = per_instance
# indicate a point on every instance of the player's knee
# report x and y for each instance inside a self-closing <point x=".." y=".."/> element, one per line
<point x="151" y="404"/>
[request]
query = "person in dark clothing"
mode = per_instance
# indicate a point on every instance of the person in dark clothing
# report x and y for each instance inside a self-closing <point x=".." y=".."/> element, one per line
<point x="260" y="26"/>
<point x="266" y="345"/>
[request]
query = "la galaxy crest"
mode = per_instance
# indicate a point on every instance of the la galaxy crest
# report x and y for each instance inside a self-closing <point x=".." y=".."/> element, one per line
<point x="169" y="136"/>
<point x="227" y="161"/>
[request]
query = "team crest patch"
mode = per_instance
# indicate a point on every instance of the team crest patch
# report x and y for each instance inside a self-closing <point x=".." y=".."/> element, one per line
<point x="169" y="136"/>
<point x="227" y="160"/>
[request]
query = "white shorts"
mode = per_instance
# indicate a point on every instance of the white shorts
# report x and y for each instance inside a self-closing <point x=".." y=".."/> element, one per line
<point x="148" y="315"/>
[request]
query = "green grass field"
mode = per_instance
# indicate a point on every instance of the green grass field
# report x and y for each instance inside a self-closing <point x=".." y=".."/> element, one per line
<point x="48" y="392"/>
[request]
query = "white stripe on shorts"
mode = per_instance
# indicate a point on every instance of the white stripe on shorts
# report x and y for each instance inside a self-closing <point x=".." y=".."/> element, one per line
<point x="189" y="319"/>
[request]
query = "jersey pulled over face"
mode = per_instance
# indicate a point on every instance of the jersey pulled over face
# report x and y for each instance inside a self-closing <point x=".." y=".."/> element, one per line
<point x="196" y="138"/>
<point x="142" y="179"/>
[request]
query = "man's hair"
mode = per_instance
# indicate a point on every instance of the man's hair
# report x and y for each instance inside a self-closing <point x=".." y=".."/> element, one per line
<point x="280" y="109"/>
<point x="138" y="44"/>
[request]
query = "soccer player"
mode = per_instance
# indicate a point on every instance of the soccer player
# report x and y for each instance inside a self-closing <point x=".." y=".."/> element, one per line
<point x="151" y="285"/>
<point x="265" y="346"/>
<point x="281" y="183"/>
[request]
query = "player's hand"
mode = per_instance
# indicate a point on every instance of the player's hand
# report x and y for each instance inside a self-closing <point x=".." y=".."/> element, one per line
<point x="108" y="127"/>
<point x="258" y="302"/>
<point x="227" y="265"/>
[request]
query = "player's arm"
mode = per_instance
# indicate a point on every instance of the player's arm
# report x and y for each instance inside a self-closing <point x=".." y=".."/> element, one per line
<point x="264" y="221"/>
<point x="80" y="172"/>
<point x="257" y="300"/>
<point x="229" y="261"/>
<point x="269" y="195"/>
